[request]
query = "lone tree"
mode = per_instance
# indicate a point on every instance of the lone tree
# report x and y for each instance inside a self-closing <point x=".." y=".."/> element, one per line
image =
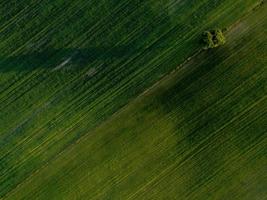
<point x="213" y="38"/>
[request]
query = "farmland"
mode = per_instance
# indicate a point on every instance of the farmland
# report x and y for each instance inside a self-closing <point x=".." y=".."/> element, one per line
<point x="78" y="123"/>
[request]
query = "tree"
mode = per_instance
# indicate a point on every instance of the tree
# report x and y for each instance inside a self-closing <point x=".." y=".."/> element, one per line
<point x="213" y="38"/>
<point x="208" y="39"/>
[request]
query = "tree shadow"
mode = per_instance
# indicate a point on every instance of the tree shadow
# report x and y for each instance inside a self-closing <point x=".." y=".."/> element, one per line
<point x="55" y="59"/>
<point x="178" y="93"/>
<point x="184" y="102"/>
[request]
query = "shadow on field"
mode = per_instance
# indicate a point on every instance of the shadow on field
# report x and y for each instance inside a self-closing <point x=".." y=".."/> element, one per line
<point x="188" y="97"/>
<point x="179" y="93"/>
<point x="184" y="102"/>
<point x="55" y="59"/>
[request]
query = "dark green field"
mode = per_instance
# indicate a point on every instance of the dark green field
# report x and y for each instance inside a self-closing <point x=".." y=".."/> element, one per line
<point x="116" y="100"/>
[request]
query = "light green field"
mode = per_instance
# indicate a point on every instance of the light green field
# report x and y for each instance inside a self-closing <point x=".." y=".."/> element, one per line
<point x="199" y="133"/>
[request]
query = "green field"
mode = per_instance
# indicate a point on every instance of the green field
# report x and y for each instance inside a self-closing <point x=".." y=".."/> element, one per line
<point x="80" y="118"/>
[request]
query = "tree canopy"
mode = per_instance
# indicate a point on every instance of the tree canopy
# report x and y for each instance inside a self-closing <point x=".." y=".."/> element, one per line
<point x="213" y="38"/>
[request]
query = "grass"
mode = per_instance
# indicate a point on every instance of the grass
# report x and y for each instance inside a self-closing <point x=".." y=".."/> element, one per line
<point x="64" y="67"/>
<point x="198" y="134"/>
